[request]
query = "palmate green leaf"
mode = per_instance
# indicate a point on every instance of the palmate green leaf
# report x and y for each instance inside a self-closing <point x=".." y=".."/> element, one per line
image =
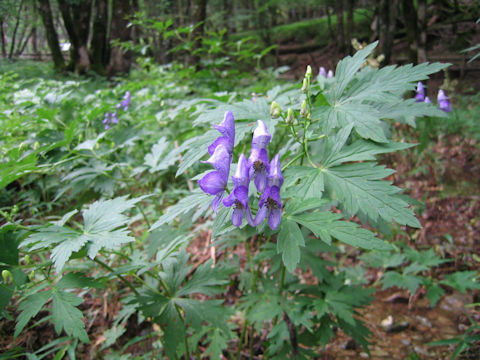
<point x="205" y="280"/>
<point x="197" y="199"/>
<point x="377" y="84"/>
<point x="217" y="342"/>
<point x="304" y="182"/>
<point x="289" y="241"/>
<point x="410" y="282"/>
<point x="348" y="67"/>
<point x="362" y="150"/>
<point x="156" y="159"/>
<point x="326" y="225"/>
<point x="405" y="111"/>
<point x="463" y="280"/>
<point x="67" y="316"/>
<point x="297" y="206"/>
<point x="77" y="280"/>
<point x="359" y="189"/>
<point x="102" y="222"/>
<point x="106" y="215"/>
<point x="365" y="119"/>
<point x="29" y="308"/>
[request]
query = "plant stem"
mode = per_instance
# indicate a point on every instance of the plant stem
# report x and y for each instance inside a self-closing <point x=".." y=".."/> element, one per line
<point x="298" y="156"/>
<point x="185" y="337"/>
<point x="125" y="281"/>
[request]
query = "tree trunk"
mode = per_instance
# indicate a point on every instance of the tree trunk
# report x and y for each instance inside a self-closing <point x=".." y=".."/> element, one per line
<point x="388" y="13"/>
<point x="410" y="18"/>
<point x="200" y="15"/>
<point x="22" y="46"/>
<point x="17" y="23"/>
<point x="99" y="45"/>
<point x="329" y="22"/>
<point x="350" y="25"/>
<point x="4" y="40"/>
<point x="76" y="18"/>
<point x="340" y="28"/>
<point x="120" y="61"/>
<point x="422" y="25"/>
<point x="52" y="37"/>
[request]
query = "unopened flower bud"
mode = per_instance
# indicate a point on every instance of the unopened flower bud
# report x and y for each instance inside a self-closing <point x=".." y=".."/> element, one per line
<point x="7" y="277"/>
<point x="308" y="73"/>
<point x="304" y="109"/>
<point x="305" y="86"/>
<point x="31" y="275"/>
<point x="275" y="110"/>
<point x="290" y="116"/>
<point x="27" y="260"/>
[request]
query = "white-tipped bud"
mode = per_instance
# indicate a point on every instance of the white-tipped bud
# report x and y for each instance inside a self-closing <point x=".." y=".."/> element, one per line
<point x="309" y="73"/>
<point x="305" y="85"/>
<point x="304" y="109"/>
<point x="275" y="110"/>
<point x="7" y="277"/>
<point x="290" y="116"/>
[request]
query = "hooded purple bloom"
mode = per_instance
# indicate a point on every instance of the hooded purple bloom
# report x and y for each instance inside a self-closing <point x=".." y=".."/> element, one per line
<point x="258" y="165"/>
<point x="443" y="101"/>
<point x="330" y="74"/>
<point x="110" y="118"/>
<point x="239" y="195"/>
<point x="323" y="72"/>
<point x="427" y="100"/>
<point x="227" y="129"/>
<point x="270" y="203"/>
<point x="420" y="97"/>
<point x="125" y="103"/>
<point x="215" y="182"/>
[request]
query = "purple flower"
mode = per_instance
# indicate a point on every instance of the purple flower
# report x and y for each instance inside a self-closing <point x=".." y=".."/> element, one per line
<point x="330" y="74"/>
<point x="215" y="182"/>
<point x="427" y="100"/>
<point x="270" y="204"/>
<point x="227" y="129"/>
<point x="258" y="165"/>
<point x="125" y="103"/>
<point x="110" y="118"/>
<point x="420" y="97"/>
<point x="323" y="72"/>
<point x="239" y="195"/>
<point x="443" y="101"/>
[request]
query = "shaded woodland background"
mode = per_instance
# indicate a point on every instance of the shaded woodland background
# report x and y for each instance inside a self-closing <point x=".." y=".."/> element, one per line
<point x="106" y="36"/>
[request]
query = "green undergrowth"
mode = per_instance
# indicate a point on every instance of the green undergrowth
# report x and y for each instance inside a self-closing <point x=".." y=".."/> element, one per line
<point x="301" y="32"/>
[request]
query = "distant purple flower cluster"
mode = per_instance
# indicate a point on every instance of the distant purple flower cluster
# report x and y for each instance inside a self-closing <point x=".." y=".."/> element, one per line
<point x="442" y="99"/>
<point x="112" y="118"/>
<point x="267" y="175"/>
<point x="325" y="74"/>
